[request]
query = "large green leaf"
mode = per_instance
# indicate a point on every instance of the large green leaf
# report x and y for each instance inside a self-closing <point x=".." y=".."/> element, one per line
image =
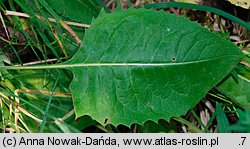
<point x="139" y="65"/>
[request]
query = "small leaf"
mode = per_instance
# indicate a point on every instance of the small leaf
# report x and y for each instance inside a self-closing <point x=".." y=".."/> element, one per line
<point x="237" y="91"/>
<point x="76" y="10"/>
<point x="139" y="65"/>
<point x="243" y="124"/>
<point x="223" y="124"/>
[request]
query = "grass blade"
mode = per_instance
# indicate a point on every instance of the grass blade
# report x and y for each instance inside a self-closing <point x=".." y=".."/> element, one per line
<point x="48" y="105"/>
<point x="223" y="124"/>
<point x="201" y="8"/>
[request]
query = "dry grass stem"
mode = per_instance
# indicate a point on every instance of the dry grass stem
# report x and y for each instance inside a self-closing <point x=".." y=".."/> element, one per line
<point x="58" y="94"/>
<point x="20" y="14"/>
<point x="4" y="26"/>
<point x="13" y="43"/>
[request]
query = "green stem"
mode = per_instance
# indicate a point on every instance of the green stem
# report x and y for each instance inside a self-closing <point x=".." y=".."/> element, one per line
<point x="199" y="120"/>
<point x="103" y="6"/>
<point x="201" y="8"/>
<point x="48" y="105"/>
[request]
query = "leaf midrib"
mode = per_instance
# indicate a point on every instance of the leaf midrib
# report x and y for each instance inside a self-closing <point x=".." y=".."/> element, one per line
<point x="66" y="65"/>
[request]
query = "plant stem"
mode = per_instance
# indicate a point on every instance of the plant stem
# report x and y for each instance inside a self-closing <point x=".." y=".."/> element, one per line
<point x="48" y="105"/>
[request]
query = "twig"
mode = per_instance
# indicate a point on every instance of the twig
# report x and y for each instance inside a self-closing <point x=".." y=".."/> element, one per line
<point x="245" y="63"/>
<point x="58" y="94"/>
<point x="242" y="41"/>
<point x="10" y="42"/>
<point x="26" y="112"/>
<point x="9" y="130"/>
<point x="78" y="40"/>
<point x="20" y="14"/>
<point x="110" y="3"/>
<point x="4" y="26"/>
<point x="43" y="61"/>
<point x="2" y="111"/>
<point x="20" y="108"/>
<point x="57" y="38"/>
<point x="7" y="61"/>
<point x="63" y="23"/>
<point x="68" y="114"/>
<point x="246" y="48"/>
<point x="16" y="114"/>
<point x="138" y="2"/>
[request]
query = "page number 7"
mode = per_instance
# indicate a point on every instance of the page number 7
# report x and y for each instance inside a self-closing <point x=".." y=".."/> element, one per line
<point x="243" y="140"/>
